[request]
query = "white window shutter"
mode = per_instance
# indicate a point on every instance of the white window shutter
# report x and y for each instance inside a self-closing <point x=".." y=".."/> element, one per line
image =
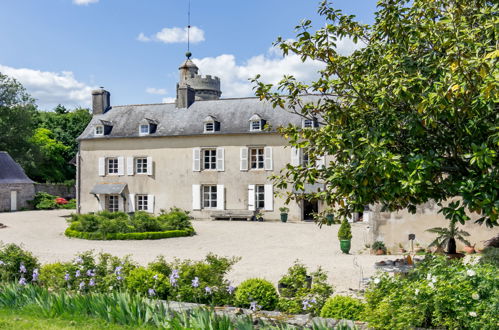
<point x="220" y="159"/>
<point x="121" y="204"/>
<point x="149" y="166"/>
<point x="268" y="158"/>
<point x="196" y="159"/>
<point x="251" y="197"/>
<point x="196" y="197"/>
<point x="150" y="203"/>
<point x="320" y="162"/>
<point x="220" y="197"/>
<point x="295" y="156"/>
<point x="121" y="165"/>
<point x="269" y="197"/>
<point x="131" y="203"/>
<point x="102" y="166"/>
<point x="129" y="166"/>
<point x="102" y="202"/>
<point x="244" y="159"/>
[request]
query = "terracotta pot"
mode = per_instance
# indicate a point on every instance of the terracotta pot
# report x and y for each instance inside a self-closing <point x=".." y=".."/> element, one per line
<point x="380" y="252"/>
<point x="402" y="251"/>
<point x="469" y="249"/>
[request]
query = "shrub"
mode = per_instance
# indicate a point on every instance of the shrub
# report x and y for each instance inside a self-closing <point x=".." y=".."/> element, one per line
<point x="16" y="263"/>
<point x="44" y="201"/>
<point x="176" y="219"/>
<point x="142" y="281"/>
<point x="258" y="291"/>
<point x="343" y="307"/>
<point x="345" y="231"/>
<point x="52" y="275"/>
<point x="439" y="293"/>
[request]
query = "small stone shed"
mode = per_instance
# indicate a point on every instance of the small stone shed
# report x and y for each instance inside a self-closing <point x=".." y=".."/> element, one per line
<point x="16" y="189"/>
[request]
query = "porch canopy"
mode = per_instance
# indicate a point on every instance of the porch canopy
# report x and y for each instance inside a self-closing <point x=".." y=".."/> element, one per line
<point x="108" y="188"/>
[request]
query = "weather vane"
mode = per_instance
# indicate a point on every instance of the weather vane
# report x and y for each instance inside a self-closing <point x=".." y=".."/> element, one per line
<point x="188" y="54"/>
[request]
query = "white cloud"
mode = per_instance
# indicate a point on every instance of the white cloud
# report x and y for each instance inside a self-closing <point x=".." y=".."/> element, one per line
<point x="51" y="88"/>
<point x="174" y="35"/>
<point x="84" y="2"/>
<point x="156" y="91"/>
<point x="168" y="100"/>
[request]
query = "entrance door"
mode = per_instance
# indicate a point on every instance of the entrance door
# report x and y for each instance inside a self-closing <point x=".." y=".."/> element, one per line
<point x="13" y="200"/>
<point x="309" y="208"/>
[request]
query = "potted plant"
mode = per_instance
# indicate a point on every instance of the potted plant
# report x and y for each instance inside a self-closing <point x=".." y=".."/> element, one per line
<point x="345" y="235"/>
<point x="284" y="213"/>
<point x="470" y="249"/>
<point x="446" y="237"/>
<point x="259" y="216"/>
<point x="379" y="248"/>
<point x="329" y="219"/>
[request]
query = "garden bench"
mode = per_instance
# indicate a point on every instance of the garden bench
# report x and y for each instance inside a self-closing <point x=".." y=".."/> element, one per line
<point x="233" y="215"/>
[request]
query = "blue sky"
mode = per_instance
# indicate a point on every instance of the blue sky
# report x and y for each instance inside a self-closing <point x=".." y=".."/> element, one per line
<point x="61" y="49"/>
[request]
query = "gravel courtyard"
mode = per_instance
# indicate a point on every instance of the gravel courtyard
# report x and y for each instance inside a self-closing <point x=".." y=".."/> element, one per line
<point x="267" y="249"/>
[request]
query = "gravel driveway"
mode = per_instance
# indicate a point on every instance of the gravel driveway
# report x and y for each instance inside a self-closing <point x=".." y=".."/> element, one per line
<point x="267" y="248"/>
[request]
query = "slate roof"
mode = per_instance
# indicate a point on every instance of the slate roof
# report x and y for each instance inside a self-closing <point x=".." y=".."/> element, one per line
<point x="10" y="171"/>
<point x="233" y="115"/>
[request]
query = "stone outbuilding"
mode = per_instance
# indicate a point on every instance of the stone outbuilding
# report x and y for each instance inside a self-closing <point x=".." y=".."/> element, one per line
<point x="16" y="189"/>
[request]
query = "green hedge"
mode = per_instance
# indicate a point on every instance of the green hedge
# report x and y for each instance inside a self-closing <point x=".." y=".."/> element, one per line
<point x="129" y="236"/>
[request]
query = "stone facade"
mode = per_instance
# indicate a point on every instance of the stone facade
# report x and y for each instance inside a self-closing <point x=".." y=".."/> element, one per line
<point x="24" y="193"/>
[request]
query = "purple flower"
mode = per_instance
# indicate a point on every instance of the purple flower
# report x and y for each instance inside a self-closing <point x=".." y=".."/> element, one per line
<point x="78" y="273"/>
<point x="91" y="282"/>
<point x="82" y="285"/>
<point x="254" y="306"/>
<point x="2" y="263"/>
<point x="91" y="272"/>
<point x="78" y="260"/>
<point x="35" y="275"/>
<point x="119" y="278"/>
<point x="173" y="277"/>
<point x="67" y="277"/>
<point x="306" y="304"/>
<point x="175" y="273"/>
<point x="313" y="301"/>
<point x="22" y="269"/>
<point x="117" y="270"/>
<point x="230" y="289"/>
<point x="195" y="282"/>
<point x="207" y="290"/>
<point x="151" y="292"/>
<point x="155" y="277"/>
<point x="22" y="281"/>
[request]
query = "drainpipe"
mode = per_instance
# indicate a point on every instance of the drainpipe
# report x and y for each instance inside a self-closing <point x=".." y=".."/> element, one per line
<point x="78" y="179"/>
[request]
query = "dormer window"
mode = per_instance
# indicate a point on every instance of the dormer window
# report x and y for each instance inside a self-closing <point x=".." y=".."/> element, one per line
<point x="310" y="123"/>
<point x="99" y="130"/>
<point x="147" y="126"/>
<point x="256" y="123"/>
<point x="144" y="129"/>
<point x="211" y="125"/>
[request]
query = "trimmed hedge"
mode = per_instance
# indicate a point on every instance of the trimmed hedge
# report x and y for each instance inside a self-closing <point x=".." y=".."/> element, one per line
<point x="129" y="236"/>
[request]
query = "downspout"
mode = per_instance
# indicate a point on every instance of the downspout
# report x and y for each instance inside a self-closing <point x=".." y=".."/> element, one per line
<point x="78" y="179"/>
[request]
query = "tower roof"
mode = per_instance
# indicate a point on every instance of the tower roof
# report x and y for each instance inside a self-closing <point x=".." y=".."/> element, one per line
<point x="188" y="64"/>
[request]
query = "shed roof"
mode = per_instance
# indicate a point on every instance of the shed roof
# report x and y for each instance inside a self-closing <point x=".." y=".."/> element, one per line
<point x="10" y="171"/>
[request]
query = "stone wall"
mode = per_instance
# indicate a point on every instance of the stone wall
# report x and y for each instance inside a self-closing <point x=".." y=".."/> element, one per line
<point x="60" y="190"/>
<point x="25" y="192"/>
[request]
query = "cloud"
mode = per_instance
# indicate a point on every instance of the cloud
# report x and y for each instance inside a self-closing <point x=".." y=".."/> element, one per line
<point x="156" y="91"/>
<point x="272" y="66"/>
<point x="168" y="100"/>
<point x="51" y="88"/>
<point x="84" y="2"/>
<point x="174" y="35"/>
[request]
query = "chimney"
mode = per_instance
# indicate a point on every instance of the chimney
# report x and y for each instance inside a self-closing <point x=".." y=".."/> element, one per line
<point x="100" y="101"/>
<point x="185" y="96"/>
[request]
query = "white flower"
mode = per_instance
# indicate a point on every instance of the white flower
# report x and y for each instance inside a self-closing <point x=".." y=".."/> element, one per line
<point x="475" y="296"/>
<point x="376" y="280"/>
<point x="428" y="277"/>
<point x="434" y="279"/>
<point x="470" y="272"/>
<point x="431" y="285"/>
<point x="472" y="314"/>
<point x="416" y="292"/>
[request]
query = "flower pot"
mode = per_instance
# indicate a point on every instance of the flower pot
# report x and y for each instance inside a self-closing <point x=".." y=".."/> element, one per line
<point x="284" y="217"/>
<point x="329" y="219"/>
<point x="345" y="245"/>
<point x="380" y="252"/>
<point x="469" y="249"/>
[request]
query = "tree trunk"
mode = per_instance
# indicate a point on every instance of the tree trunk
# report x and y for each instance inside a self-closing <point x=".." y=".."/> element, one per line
<point x="451" y="246"/>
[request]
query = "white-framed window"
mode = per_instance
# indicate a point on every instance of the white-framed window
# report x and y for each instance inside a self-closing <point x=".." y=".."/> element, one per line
<point x="112" y="165"/>
<point x="305" y="159"/>
<point x="144" y="129"/>
<point x="141" y="165"/>
<point x="260" y="196"/>
<point x="255" y="125"/>
<point x="257" y="158"/>
<point x="309" y="123"/>
<point x="99" y="130"/>
<point x="209" y="127"/>
<point x="209" y="197"/>
<point x="141" y="203"/>
<point x="112" y="203"/>
<point x="209" y="159"/>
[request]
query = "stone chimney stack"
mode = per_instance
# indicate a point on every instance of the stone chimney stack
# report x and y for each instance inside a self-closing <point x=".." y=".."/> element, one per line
<point x="101" y="101"/>
<point x="185" y="96"/>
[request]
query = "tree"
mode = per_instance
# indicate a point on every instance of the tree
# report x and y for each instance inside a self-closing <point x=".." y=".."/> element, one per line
<point x="49" y="157"/>
<point x="411" y="116"/>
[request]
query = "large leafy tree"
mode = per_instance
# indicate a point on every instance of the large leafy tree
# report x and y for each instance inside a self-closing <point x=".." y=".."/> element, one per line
<point x="409" y="117"/>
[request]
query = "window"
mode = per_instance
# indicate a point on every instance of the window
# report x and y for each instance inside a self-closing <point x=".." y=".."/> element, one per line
<point x="210" y="159"/>
<point x="209" y="127"/>
<point x="307" y="123"/>
<point x="255" y="125"/>
<point x="209" y="197"/>
<point x="142" y="203"/>
<point x="144" y="129"/>
<point x="141" y="165"/>
<point x="260" y="197"/>
<point x="305" y="159"/>
<point x="112" y="203"/>
<point x="112" y="165"/>
<point x="257" y="157"/>
<point x="99" y="130"/>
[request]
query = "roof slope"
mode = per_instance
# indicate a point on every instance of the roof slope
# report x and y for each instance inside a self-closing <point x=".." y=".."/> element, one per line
<point x="233" y="115"/>
<point x="10" y="171"/>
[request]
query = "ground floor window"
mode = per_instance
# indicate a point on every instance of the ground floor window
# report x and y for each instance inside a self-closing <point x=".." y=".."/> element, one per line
<point x="142" y="203"/>
<point x="209" y="197"/>
<point x="112" y="204"/>
<point x="260" y="197"/>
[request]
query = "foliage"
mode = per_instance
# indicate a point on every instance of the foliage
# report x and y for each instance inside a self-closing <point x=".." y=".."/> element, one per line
<point x="119" y="225"/>
<point x="302" y="293"/>
<point x="379" y="245"/>
<point x="490" y="255"/>
<point x="343" y="307"/>
<point x="49" y="157"/>
<point x="46" y="201"/>
<point x="16" y="263"/>
<point x="447" y="236"/>
<point x="438" y="293"/>
<point x="258" y="291"/>
<point x="141" y="281"/>
<point x="345" y="231"/>
<point x="284" y="209"/>
<point x="409" y="116"/>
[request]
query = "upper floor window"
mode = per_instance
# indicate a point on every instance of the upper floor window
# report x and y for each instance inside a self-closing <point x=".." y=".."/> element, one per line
<point x="144" y="129"/>
<point x="112" y="165"/>
<point x="99" y="130"/>
<point x="211" y="124"/>
<point x="256" y="123"/>
<point x="210" y="159"/>
<point x="310" y="123"/>
<point x="257" y="158"/>
<point x="209" y="127"/>
<point x="141" y="165"/>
